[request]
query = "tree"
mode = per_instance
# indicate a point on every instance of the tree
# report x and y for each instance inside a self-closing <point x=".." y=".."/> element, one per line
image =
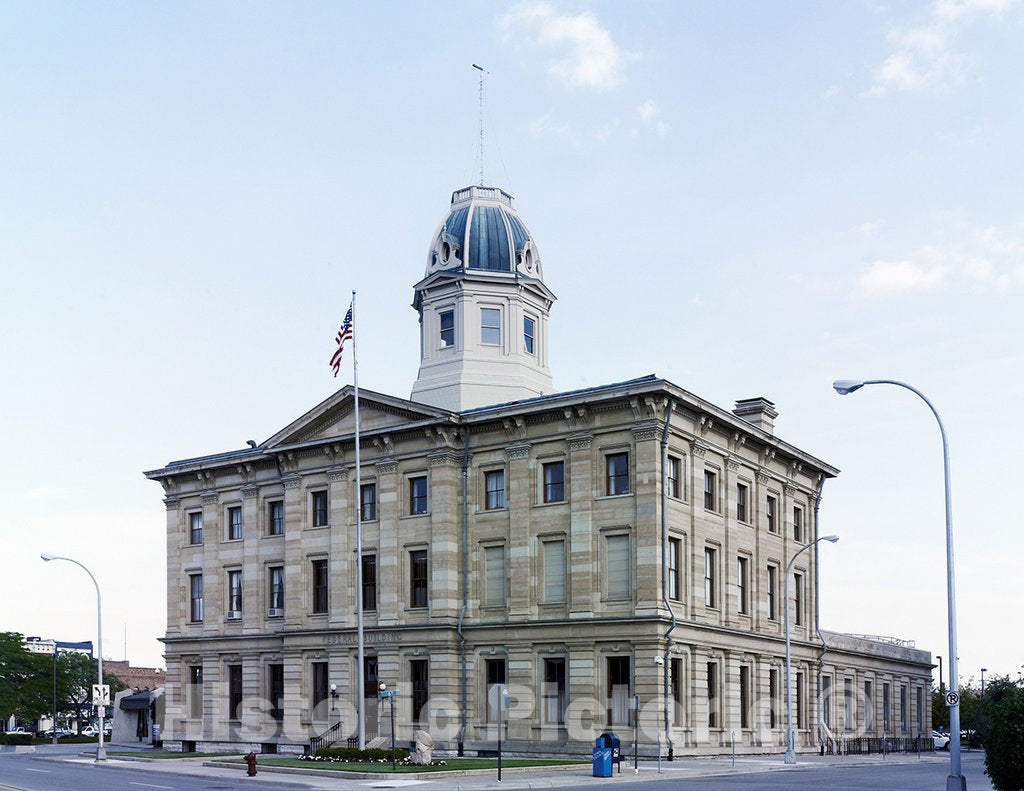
<point x="1004" y="733"/>
<point x="25" y="679"/>
<point x="940" y="712"/>
<point x="76" y="674"/>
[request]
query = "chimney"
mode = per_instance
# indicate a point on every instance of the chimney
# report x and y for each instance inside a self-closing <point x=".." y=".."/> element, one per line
<point x="759" y="411"/>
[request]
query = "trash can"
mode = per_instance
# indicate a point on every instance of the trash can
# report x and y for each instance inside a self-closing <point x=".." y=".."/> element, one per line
<point x="602" y="760"/>
<point x="611" y="741"/>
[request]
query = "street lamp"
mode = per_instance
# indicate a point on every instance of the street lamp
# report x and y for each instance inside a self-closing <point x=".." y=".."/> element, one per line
<point x="391" y="699"/>
<point x="956" y="780"/>
<point x="334" y="695"/>
<point x="101" y="753"/>
<point x="790" y="757"/>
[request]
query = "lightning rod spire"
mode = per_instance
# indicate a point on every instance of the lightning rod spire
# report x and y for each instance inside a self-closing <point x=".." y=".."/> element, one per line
<point x="482" y="71"/>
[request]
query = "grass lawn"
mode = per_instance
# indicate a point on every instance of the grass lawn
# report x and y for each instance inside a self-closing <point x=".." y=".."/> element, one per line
<point x="171" y="755"/>
<point x="454" y="764"/>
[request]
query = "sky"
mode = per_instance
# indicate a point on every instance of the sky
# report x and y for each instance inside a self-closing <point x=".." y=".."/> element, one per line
<point x="748" y="199"/>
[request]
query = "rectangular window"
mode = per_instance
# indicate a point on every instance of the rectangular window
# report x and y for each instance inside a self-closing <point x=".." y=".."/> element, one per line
<point x="275" y="688"/>
<point x="712" y="669"/>
<point x="869" y="708"/>
<point x="798" y="525"/>
<point x="675" y="556"/>
<point x="419" y="672"/>
<point x="710" y="482"/>
<point x="368" y="502"/>
<point x="320" y="597"/>
<point x="676" y="680"/>
<point x="744" y="696"/>
<point x="770" y="514"/>
<point x="195" y="586"/>
<point x="554" y="572"/>
<point x="826" y="700"/>
<point x="554" y="691"/>
<point x="490" y="326"/>
<point x="447" y="328"/>
<point x="773" y="697"/>
<point x="234" y="523"/>
<point x="495" y="576"/>
<point x="195" y="528"/>
<point x="798" y="598"/>
<point x="494" y="483"/>
<point x="920" y="711"/>
<point x="496" y="674"/>
<point x="743" y="585"/>
<point x="370" y="675"/>
<point x="320" y="685"/>
<point x="276" y="598"/>
<point x="275" y="518"/>
<point x="369" y="582"/>
<point x="741" y="502"/>
<point x="903" y="708"/>
<point x="800" y="719"/>
<point x="195" y="691"/>
<point x="710" y="577"/>
<point x="554" y="482"/>
<point x="618" y="567"/>
<point x="235" y="591"/>
<point x="848" y="704"/>
<point x="619" y="697"/>
<point x="418" y="495"/>
<point x="418" y="578"/>
<point x="886" y="708"/>
<point x="773" y="591"/>
<point x="529" y="330"/>
<point x="672" y="473"/>
<point x="319" y="509"/>
<point x="617" y="469"/>
<point x="234" y="692"/>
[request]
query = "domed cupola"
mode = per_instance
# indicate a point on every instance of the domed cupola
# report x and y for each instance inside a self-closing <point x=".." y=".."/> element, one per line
<point x="483" y="307"/>
<point x="483" y="231"/>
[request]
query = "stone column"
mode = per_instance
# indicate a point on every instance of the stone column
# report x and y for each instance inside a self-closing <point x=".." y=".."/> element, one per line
<point x="445" y="559"/>
<point x="252" y="618"/>
<point x="520" y="481"/>
<point x="730" y="602"/>
<point x="646" y="538"/>
<point x="523" y="677"/>
<point x="213" y="575"/>
<point x="176" y="595"/>
<point x="295" y="699"/>
<point x="389" y="509"/>
<point x="583" y="588"/>
<point x="342" y="561"/>
<point x="698" y="449"/>
<point x="294" y="519"/>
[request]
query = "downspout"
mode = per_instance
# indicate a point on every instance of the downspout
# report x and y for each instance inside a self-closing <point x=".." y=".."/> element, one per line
<point x="817" y="617"/>
<point x="667" y="661"/>
<point x="465" y="588"/>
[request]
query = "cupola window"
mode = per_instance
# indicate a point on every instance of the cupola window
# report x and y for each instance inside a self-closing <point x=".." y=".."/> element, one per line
<point x="447" y="328"/>
<point x="529" y="330"/>
<point x="490" y="326"/>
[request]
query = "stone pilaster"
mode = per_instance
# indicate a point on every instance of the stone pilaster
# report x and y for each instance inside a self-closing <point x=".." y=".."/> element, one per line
<point x="520" y="484"/>
<point x="646" y="537"/>
<point x="445" y="559"/>
<point x="342" y="563"/>
<point x="581" y="545"/>
<point x="389" y="510"/>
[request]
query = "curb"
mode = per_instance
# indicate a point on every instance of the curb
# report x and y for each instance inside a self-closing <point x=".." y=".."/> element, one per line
<point x="350" y="775"/>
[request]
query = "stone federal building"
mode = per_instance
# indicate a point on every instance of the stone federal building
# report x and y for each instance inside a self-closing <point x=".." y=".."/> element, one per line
<point x="513" y="534"/>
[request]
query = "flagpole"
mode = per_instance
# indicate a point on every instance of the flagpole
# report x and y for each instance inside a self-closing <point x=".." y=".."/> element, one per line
<point x="360" y="681"/>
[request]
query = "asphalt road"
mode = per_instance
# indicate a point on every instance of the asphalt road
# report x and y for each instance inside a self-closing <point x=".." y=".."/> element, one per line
<point x="28" y="773"/>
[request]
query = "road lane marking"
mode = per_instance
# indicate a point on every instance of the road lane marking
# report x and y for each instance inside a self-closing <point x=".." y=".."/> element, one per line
<point x="13" y="788"/>
<point x="148" y="785"/>
<point x="30" y="769"/>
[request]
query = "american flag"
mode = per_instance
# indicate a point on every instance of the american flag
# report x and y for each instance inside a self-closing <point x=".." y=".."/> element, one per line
<point x="344" y="333"/>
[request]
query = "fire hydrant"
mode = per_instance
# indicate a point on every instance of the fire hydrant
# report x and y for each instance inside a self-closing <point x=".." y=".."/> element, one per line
<point x="251" y="760"/>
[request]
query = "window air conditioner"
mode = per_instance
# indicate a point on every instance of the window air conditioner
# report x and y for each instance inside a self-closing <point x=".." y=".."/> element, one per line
<point x="234" y="615"/>
<point x="275" y="612"/>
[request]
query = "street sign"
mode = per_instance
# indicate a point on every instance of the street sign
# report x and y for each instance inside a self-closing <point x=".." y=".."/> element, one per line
<point x="497" y="697"/>
<point x="952" y="698"/>
<point x="388" y="693"/>
<point x="101" y="694"/>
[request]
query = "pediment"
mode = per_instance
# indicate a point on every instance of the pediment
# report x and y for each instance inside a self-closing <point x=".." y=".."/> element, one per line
<point x="335" y="417"/>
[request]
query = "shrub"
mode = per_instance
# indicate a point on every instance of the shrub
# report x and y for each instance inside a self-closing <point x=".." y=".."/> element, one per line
<point x="19" y="738"/>
<point x="3" y="738"/>
<point x="355" y="755"/>
<point x="1004" y="734"/>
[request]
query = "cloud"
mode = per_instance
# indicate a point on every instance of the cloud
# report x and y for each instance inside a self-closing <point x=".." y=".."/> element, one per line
<point x="925" y="57"/>
<point x="650" y="115"/>
<point x="979" y="261"/>
<point x="895" y="277"/>
<point x="831" y="91"/>
<point x="591" y="58"/>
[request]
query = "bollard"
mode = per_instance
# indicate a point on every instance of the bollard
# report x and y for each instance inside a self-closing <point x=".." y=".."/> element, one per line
<point x="251" y="760"/>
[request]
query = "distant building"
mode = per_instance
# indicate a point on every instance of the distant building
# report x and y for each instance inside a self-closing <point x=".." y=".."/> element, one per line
<point x="513" y="535"/>
<point x="135" y="678"/>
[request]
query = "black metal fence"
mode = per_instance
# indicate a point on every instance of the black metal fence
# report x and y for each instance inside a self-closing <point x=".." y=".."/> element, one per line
<point x="325" y="739"/>
<point x="866" y="745"/>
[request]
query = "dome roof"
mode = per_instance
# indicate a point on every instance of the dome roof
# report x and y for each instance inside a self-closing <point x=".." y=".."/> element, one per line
<point x="482" y="231"/>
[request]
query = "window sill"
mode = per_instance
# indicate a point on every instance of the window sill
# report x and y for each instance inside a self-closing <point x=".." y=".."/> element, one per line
<point x="614" y="496"/>
<point x="415" y="516"/>
<point x="273" y="535"/>
<point x="553" y="502"/>
<point x="317" y="527"/>
<point x="483" y="511"/>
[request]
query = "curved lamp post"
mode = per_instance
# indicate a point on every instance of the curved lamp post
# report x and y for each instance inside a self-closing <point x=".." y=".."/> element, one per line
<point x="101" y="753"/>
<point x="956" y="780"/>
<point x="790" y="749"/>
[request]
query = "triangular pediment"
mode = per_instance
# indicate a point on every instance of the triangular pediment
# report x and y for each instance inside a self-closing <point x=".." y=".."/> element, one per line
<point x="335" y="417"/>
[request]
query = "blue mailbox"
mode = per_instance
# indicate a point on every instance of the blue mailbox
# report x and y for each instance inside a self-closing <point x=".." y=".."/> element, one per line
<point x="602" y="760"/>
<point x="610" y="740"/>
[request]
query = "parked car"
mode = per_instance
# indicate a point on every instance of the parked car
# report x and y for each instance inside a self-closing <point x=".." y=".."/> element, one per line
<point x="940" y="740"/>
<point x="61" y="733"/>
<point x="89" y="730"/>
<point x="19" y="729"/>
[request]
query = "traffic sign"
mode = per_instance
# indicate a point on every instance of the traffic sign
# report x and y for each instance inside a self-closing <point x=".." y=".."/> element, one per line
<point x="952" y="698"/>
<point x="101" y="694"/>
<point x="388" y="693"/>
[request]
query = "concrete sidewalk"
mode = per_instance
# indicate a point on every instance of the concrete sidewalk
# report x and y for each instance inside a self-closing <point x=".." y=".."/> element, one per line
<point x="679" y="769"/>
